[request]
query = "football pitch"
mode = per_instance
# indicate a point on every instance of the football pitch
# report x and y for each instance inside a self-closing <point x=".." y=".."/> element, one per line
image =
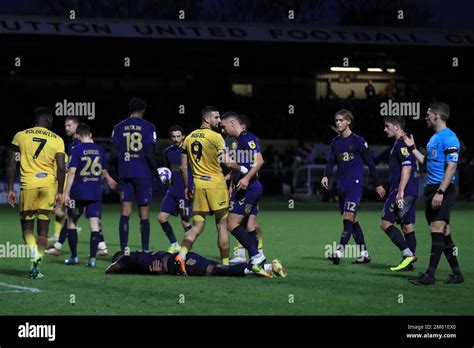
<point x="297" y="236"/>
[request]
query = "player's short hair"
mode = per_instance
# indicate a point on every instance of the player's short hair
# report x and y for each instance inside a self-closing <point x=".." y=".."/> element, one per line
<point x="43" y="116"/>
<point x="83" y="129"/>
<point x="231" y="114"/>
<point x="176" y="128"/>
<point x="207" y="110"/>
<point x="74" y="119"/>
<point x="137" y="104"/>
<point x="347" y="114"/>
<point x="244" y="119"/>
<point x="442" y="109"/>
<point x="397" y="120"/>
<point x="117" y="255"/>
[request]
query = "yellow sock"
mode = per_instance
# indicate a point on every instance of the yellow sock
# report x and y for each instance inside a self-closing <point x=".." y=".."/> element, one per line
<point x="30" y="240"/>
<point x="239" y="245"/>
<point x="260" y="243"/>
<point x="57" y="228"/>
<point x="225" y="261"/>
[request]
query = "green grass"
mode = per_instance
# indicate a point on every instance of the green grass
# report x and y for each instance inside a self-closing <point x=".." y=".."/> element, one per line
<point x="297" y="236"/>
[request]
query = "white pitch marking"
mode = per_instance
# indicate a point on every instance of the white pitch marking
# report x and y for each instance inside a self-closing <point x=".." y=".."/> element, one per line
<point x="24" y="288"/>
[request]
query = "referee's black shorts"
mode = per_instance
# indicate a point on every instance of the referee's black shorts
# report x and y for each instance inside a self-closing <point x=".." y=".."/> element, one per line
<point x="443" y="213"/>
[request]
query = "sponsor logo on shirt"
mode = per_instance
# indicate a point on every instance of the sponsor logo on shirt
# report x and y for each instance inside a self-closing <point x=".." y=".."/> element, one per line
<point x="41" y="175"/>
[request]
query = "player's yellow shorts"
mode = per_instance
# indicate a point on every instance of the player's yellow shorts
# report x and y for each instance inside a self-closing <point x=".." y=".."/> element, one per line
<point x="37" y="199"/>
<point x="209" y="200"/>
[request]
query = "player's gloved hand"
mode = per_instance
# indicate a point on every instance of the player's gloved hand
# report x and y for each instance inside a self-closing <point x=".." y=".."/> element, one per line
<point x="325" y="183"/>
<point x="188" y="193"/>
<point x="243" y="184"/>
<point x="380" y="191"/>
<point x="437" y="201"/>
<point x="11" y="198"/>
<point x="399" y="199"/>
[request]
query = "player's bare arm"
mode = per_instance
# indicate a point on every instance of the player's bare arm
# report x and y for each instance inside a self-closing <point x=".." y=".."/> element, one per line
<point x="108" y="179"/>
<point x="11" y="170"/>
<point x="405" y="176"/>
<point x="410" y="142"/>
<point x="60" y="175"/>
<point x="71" y="174"/>
<point x="188" y="192"/>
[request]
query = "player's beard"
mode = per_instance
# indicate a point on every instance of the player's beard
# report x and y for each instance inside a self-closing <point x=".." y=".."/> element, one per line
<point x="216" y="128"/>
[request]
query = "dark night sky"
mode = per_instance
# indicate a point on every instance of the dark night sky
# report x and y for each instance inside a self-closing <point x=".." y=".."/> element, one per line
<point x="447" y="14"/>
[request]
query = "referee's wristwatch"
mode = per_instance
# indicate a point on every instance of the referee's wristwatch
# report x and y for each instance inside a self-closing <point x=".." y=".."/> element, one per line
<point x="440" y="192"/>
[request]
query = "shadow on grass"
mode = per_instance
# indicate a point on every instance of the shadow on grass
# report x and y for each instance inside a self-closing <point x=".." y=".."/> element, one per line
<point x="14" y="272"/>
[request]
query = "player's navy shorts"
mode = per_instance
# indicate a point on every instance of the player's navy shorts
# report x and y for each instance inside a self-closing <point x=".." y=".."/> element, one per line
<point x="174" y="204"/>
<point x="196" y="265"/>
<point x="92" y="209"/>
<point x="135" y="190"/>
<point x="443" y="213"/>
<point x="245" y="202"/>
<point x="392" y="213"/>
<point x="349" y="198"/>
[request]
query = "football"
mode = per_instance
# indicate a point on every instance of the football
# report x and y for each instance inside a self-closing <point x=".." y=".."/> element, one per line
<point x="165" y="175"/>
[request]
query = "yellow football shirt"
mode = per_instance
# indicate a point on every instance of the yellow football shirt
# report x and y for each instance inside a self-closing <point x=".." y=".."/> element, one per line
<point x="205" y="150"/>
<point x="38" y="148"/>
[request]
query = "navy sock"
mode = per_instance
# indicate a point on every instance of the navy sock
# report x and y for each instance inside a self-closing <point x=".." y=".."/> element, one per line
<point x="253" y="238"/>
<point x="187" y="228"/>
<point x="346" y="233"/>
<point x="358" y="236"/>
<point x="101" y="236"/>
<point x="242" y="236"/>
<point x="72" y="238"/>
<point x="411" y="241"/>
<point x="437" y="246"/>
<point x="123" y="231"/>
<point x="396" y="237"/>
<point x="231" y="271"/>
<point x="63" y="233"/>
<point x="449" y="248"/>
<point x="145" y="230"/>
<point x="168" y="231"/>
<point x="94" y="243"/>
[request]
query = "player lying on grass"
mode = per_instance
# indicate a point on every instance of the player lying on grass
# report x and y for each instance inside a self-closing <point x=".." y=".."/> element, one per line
<point x="162" y="262"/>
<point x="83" y="191"/>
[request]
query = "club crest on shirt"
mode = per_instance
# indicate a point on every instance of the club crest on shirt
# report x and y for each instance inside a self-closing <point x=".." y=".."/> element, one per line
<point x="252" y="144"/>
<point x="404" y="151"/>
<point x="190" y="262"/>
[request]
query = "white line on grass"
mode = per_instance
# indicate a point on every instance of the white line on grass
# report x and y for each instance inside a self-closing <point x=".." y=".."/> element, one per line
<point x="24" y="288"/>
